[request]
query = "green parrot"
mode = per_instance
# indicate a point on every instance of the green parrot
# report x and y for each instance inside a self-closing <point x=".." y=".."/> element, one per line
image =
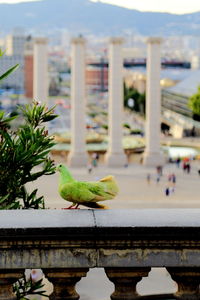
<point x="83" y="192"/>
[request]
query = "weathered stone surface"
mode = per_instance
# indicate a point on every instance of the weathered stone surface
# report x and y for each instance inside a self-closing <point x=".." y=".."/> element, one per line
<point x="47" y="258"/>
<point x="7" y="278"/>
<point x="53" y="219"/>
<point x="64" y="281"/>
<point x="99" y="238"/>
<point x="148" y="257"/>
<point x="148" y="225"/>
<point x="125" y="281"/>
<point x="47" y="238"/>
<point x="148" y="218"/>
<point x="188" y="280"/>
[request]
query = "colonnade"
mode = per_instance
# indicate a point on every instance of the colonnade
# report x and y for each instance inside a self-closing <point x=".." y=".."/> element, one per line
<point x="115" y="156"/>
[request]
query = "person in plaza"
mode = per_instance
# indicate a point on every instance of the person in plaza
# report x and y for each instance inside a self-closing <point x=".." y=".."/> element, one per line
<point x="94" y="160"/>
<point x="169" y="178"/>
<point x="173" y="182"/>
<point x="158" y="179"/>
<point x="188" y="167"/>
<point x="159" y="170"/>
<point x="97" y="156"/>
<point x="89" y="167"/>
<point x="173" y="179"/>
<point x="167" y="191"/>
<point x="148" y="178"/>
<point x="184" y="166"/>
<point x="178" y="160"/>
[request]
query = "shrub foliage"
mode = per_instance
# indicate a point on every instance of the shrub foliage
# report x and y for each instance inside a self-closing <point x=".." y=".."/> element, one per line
<point x="22" y="150"/>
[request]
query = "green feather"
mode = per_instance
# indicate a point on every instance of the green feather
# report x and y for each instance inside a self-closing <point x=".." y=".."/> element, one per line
<point x="65" y="175"/>
<point x="86" y="192"/>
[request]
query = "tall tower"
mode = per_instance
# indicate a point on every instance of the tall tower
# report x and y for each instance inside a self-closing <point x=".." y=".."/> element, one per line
<point x="40" y="70"/>
<point x="115" y="156"/>
<point x="153" y="155"/>
<point x="78" y="156"/>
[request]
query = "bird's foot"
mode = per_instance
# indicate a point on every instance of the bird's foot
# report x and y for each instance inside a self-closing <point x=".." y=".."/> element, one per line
<point x="72" y="207"/>
<point x="68" y="208"/>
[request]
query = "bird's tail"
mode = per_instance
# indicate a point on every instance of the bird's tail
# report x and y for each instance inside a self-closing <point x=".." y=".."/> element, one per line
<point x="110" y="185"/>
<point x="94" y="205"/>
<point x="107" y="178"/>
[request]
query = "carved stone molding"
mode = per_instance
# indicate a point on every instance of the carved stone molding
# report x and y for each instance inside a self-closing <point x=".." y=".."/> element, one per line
<point x="125" y="281"/>
<point x="7" y="279"/>
<point x="64" y="282"/>
<point x="188" y="280"/>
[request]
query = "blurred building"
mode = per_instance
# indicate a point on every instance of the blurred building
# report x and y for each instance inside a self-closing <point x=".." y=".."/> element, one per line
<point x="195" y="62"/>
<point x="16" y="79"/>
<point x="176" y="98"/>
<point x="97" y="78"/>
<point x="14" y="45"/>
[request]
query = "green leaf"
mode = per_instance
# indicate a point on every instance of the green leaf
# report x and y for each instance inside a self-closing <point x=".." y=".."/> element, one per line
<point x="1" y="53"/>
<point x="7" y="73"/>
<point x="20" y="152"/>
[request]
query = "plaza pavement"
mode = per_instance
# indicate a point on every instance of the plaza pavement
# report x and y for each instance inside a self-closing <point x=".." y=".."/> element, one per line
<point x="135" y="192"/>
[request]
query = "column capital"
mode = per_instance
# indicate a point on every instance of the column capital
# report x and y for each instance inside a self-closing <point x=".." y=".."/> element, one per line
<point x="78" y="40"/>
<point x="116" y="40"/>
<point x="154" y="40"/>
<point x="40" y="40"/>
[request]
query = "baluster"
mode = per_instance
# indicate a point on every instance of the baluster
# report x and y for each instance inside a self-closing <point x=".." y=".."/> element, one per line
<point x="64" y="282"/>
<point x="125" y="281"/>
<point x="188" y="280"/>
<point x="7" y="279"/>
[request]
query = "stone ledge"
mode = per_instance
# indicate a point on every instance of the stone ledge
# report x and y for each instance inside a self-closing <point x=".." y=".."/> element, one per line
<point x="99" y="238"/>
<point x="163" y="224"/>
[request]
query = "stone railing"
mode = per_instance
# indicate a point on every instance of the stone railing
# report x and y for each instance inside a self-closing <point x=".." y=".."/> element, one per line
<point x="126" y="243"/>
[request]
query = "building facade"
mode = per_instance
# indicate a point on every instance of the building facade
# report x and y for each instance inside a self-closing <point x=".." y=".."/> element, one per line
<point x="16" y="79"/>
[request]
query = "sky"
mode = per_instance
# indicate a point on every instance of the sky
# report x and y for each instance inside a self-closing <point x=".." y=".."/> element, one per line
<point x="172" y="6"/>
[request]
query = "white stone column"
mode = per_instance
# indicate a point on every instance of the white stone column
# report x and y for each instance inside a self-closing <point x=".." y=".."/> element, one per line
<point x="40" y="70"/>
<point x="153" y="155"/>
<point x="78" y="156"/>
<point x="115" y="156"/>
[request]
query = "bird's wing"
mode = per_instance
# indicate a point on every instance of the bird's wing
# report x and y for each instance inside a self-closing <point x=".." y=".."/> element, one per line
<point x="81" y="191"/>
<point x="76" y="192"/>
<point x="101" y="191"/>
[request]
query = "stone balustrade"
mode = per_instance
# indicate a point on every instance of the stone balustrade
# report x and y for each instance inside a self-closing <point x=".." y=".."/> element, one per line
<point x="126" y="243"/>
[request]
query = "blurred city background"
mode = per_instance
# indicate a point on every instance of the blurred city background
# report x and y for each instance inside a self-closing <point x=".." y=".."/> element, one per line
<point x="58" y="22"/>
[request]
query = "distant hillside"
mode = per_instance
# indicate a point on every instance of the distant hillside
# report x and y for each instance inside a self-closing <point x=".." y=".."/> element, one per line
<point x="99" y="18"/>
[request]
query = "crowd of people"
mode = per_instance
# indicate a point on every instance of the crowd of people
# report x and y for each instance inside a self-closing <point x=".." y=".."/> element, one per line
<point x="170" y="181"/>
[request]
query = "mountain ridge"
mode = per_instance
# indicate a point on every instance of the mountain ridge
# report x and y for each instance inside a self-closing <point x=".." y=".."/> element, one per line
<point x="95" y="17"/>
